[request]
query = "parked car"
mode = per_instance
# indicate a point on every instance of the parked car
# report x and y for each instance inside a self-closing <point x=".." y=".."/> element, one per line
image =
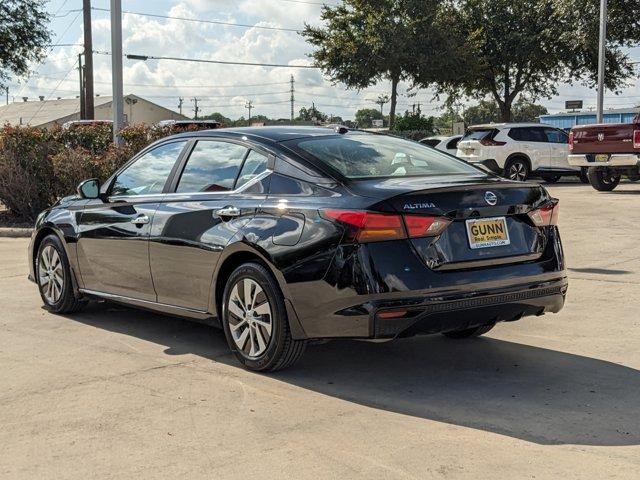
<point x="519" y="150"/>
<point x="282" y="235"/>
<point x="609" y="151"/>
<point x="447" y="144"/>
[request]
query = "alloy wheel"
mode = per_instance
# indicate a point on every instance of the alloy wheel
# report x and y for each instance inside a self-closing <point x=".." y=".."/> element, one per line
<point x="51" y="274"/>
<point x="517" y="171"/>
<point x="250" y="318"/>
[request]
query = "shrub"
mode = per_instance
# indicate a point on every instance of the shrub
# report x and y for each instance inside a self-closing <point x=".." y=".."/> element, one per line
<point x="26" y="171"/>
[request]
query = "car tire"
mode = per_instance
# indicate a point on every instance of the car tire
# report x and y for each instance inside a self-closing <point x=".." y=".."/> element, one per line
<point x="469" y="332"/>
<point x="54" y="277"/>
<point x="602" y="179"/>
<point x="257" y="328"/>
<point x="551" y="178"/>
<point x="584" y="178"/>
<point x="517" y="169"/>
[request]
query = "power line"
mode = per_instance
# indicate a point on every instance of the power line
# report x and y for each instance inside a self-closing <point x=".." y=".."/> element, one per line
<point x="199" y="20"/>
<point x="131" y="56"/>
<point x="51" y="93"/>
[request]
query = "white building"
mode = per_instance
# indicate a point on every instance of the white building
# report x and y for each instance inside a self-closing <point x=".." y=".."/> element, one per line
<point x="47" y="113"/>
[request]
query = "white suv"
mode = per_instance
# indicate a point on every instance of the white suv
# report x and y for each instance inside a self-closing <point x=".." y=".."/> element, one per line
<point x="518" y="150"/>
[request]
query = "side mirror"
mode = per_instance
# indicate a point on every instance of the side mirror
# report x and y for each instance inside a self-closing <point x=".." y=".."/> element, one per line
<point x="89" y="188"/>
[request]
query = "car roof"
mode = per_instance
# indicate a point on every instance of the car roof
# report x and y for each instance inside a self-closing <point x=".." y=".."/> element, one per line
<point x="271" y="133"/>
<point x="508" y="125"/>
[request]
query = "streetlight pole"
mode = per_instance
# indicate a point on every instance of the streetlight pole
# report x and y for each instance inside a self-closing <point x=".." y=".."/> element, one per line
<point x="601" y="60"/>
<point x="117" y="101"/>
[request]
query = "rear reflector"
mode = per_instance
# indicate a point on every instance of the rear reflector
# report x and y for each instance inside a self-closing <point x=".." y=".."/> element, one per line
<point x="376" y="227"/>
<point x="571" y="141"/>
<point x="636" y="139"/>
<point x="545" y="216"/>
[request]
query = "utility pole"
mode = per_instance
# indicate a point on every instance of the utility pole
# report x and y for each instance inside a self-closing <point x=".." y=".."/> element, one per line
<point x="88" y="61"/>
<point x="117" y="101"/>
<point x="196" y="109"/>
<point x="292" y="97"/>
<point x="601" y="60"/>
<point x="249" y="106"/>
<point x="180" y="101"/>
<point x="81" y="75"/>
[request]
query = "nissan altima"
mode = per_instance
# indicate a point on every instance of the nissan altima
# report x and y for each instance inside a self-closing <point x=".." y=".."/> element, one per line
<point x="286" y="235"/>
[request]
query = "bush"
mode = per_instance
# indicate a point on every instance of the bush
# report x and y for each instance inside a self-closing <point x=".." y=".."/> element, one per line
<point x="39" y="166"/>
<point x="27" y="184"/>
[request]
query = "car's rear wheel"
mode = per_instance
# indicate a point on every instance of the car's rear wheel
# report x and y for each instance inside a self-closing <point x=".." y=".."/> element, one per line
<point x="53" y="275"/>
<point x="255" y="321"/>
<point x="603" y="179"/>
<point x="551" y="178"/>
<point x="469" y="332"/>
<point x="517" y="169"/>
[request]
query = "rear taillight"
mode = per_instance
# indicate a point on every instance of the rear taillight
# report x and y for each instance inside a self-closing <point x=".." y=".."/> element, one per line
<point x="636" y="139"/>
<point x="571" y="141"/>
<point x="488" y="142"/>
<point x="376" y="227"/>
<point x="545" y="216"/>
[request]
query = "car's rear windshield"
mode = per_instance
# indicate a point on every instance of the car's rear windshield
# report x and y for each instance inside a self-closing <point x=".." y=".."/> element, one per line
<point x="478" y="134"/>
<point x="361" y="155"/>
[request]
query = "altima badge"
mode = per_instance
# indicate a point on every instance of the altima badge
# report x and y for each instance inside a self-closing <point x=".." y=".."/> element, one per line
<point x="490" y="198"/>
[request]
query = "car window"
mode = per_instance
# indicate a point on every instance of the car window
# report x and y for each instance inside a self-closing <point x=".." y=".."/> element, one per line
<point x="254" y="165"/>
<point x="212" y="167"/>
<point x="528" y="134"/>
<point x="149" y="173"/>
<point x="479" y="133"/>
<point x="432" y="142"/>
<point x="453" y="143"/>
<point x="556" y="136"/>
<point x="361" y="155"/>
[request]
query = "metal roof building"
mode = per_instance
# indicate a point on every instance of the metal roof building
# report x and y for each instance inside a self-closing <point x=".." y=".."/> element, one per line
<point x="569" y="119"/>
<point x="47" y="113"/>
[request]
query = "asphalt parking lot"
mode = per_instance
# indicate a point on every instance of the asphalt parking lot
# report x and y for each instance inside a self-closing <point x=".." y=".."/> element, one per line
<point x="119" y="393"/>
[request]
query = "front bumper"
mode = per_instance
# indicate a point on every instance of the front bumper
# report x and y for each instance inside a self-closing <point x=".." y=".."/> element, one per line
<point x="615" y="160"/>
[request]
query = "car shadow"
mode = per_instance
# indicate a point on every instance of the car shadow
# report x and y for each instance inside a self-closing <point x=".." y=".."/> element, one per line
<point x="530" y="393"/>
<point x="600" y="271"/>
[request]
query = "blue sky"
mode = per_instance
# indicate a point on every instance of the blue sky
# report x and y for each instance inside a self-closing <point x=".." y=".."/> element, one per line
<point x="224" y="88"/>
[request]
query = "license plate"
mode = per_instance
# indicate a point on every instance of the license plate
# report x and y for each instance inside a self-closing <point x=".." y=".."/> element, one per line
<point x="602" y="157"/>
<point x="488" y="232"/>
<point x="468" y="151"/>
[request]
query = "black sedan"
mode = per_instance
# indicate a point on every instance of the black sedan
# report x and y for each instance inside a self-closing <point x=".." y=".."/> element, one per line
<point x="284" y="235"/>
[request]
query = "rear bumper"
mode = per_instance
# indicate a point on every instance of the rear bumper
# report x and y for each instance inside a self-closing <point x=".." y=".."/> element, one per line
<point x="489" y="163"/>
<point x="436" y="315"/>
<point x="615" y="160"/>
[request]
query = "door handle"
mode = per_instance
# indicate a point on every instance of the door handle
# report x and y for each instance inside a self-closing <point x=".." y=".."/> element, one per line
<point x="141" y="220"/>
<point x="229" y="211"/>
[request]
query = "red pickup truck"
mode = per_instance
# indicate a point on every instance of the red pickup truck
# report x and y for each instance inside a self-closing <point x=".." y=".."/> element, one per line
<point x="608" y="151"/>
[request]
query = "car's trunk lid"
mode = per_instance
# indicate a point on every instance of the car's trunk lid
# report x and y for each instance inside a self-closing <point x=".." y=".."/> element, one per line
<point x="506" y="204"/>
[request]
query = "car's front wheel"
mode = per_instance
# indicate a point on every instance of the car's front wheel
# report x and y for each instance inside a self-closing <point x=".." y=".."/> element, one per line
<point x="469" y="332"/>
<point x="255" y="321"/>
<point x="603" y="179"/>
<point x="53" y="275"/>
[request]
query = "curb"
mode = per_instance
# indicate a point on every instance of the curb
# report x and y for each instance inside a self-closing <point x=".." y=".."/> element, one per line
<point x="14" y="232"/>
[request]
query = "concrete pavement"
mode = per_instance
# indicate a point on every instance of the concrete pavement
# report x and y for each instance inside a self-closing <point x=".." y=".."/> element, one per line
<point x="119" y="393"/>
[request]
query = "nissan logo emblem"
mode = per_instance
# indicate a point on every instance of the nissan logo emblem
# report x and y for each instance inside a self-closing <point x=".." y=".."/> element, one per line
<point x="490" y="198"/>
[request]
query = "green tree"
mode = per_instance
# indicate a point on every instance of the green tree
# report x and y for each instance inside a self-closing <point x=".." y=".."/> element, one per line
<point x="485" y="111"/>
<point x="218" y="117"/>
<point x="414" y="122"/>
<point x="24" y="35"/>
<point x="366" y="116"/>
<point x="308" y="114"/>
<point x="529" y="46"/>
<point x="525" y="110"/>
<point x="364" y="41"/>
